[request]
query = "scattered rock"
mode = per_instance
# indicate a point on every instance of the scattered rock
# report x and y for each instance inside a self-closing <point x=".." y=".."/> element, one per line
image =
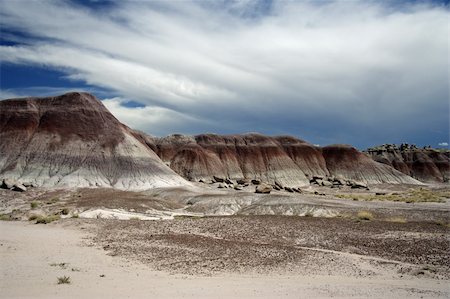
<point x="263" y="188"/>
<point x="288" y="189"/>
<point x="19" y="187"/>
<point x="8" y="183"/>
<point x="243" y="181"/>
<point x="256" y="182"/>
<point x="279" y="185"/>
<point x="298" y="190"/>
<point x="229" y="182"/>
<point x="238" y="187"/>
<point x="327" y="184"/>
<point x="359" y="185"/>
<point x="218" y="179"/>
<point x="276" y="187"/>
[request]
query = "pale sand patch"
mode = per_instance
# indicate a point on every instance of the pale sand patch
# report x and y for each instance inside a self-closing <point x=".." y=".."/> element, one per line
<point x="27" y="252"/>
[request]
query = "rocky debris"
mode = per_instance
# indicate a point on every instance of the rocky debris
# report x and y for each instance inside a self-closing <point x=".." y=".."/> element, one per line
<point x="347" y="162"/>
<point x="298" y="190"/>
<point x="256" y="182"/>
<point x="19" y="187"/>
<point x="8" y="183"/>
<point x="238" y="187"/>
<point x="263" y="188"/>
<point x="327" y="184"/>
<point x="289" y="189"/>
<point x="359" y="185"/>
<point x="13" y="185"/>
<point x="279" y="185"/>
<point x="218" y="179"/>
<point x="229" y="182"/>
<point x="426" y="164"/>
<point x="243" y="181"/>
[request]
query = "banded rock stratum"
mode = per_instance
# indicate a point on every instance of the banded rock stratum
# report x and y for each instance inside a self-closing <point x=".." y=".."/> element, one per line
<point x="72" y="140"/>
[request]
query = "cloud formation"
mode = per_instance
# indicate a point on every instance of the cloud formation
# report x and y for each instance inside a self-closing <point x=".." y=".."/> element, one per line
<point x="336" y="71"/>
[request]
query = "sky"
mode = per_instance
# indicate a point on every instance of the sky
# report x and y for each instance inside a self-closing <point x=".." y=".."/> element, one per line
<point x="355" y="72"/>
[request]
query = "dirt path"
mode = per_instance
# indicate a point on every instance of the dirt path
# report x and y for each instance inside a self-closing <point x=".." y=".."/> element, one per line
<point x="31" y="258"/>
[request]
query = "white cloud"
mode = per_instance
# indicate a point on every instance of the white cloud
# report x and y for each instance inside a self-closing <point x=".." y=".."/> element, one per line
<point x="346" y="64"/>
<point x="443" y="143"/>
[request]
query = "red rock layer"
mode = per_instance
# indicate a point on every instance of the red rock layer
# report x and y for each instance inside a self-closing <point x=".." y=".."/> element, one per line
<point x="426" y="165"/>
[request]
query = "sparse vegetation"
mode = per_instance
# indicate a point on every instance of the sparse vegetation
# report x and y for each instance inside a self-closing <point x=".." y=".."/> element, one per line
<point x="34" y="204"/>
<point x="65" y="211"/>
<point x="411" y="196"/>
<point x="52" y="201"/>
<point x="135" y="218"/>
<point x="365" y="215"/>
<point x="64" y="280"/>
<point x="33" y="217"/>
<point x="47" y="219"/>
<point x="5" y="217"/>
<point x="75" y="216"/>
<point x="61" y="265"/>
<point x="397" y="220"/>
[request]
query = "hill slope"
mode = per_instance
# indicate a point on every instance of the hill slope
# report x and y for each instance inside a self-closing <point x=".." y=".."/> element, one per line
<point x="72" y="140"/>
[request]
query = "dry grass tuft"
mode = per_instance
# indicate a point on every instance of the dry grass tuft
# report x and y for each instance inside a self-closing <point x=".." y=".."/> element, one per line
<point x="47" y="219"/>
<point x="411" y="196"/>
<point x="64" y="280"/>
<point x="365" y="215"/>
<point x="397" y="220"/>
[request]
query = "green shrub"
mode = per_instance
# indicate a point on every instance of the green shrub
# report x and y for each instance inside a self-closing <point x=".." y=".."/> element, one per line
<point x="34" y="204"/>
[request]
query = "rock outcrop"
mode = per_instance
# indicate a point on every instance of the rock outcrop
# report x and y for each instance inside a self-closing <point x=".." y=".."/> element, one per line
<point x="347" y="162"/>
<point x="425" y="164"/>
<point x="74" y="141"/>
<point x="279" y="161"/>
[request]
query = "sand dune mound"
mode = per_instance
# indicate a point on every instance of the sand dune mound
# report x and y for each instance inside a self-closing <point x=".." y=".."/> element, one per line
<point x="74" y="141"/>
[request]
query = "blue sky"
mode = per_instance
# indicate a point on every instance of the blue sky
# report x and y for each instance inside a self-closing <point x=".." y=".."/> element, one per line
<point x="357" y="72"/>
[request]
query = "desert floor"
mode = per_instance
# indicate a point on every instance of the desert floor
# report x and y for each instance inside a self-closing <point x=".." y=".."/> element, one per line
<point x="224" y="257"/>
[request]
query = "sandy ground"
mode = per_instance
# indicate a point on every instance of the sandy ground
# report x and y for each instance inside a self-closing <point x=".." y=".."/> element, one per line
<point x="29" y="253"/>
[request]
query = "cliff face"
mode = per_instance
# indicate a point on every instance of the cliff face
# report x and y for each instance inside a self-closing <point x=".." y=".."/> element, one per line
<point x="283" y="159"/>
<point x="74" y="141"/>
<point x="427" y="165"/>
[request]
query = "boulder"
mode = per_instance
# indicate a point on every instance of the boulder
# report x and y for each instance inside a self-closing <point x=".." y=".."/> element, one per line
<point x="317" y="177"/>
<point x="238" y="187"/>
<point x="256" y="182"/>
<point x="319" y="182"/>
<point x="276" y="187"/>
<point x="229" y="182"/>
<point x="279" y="185"/>
<point x="263" y="188"/>
<point x="288" y="189"/>
<point x="8" y="183"/>
<point x="327" y="184"/>
<point x="221" y="186"/>
<point x="243" y="181"/>
<point x="218" y="179"/>
<point x="19" y="187"/>
<point x="298" y="190"/>
<point x="359" y="185"/>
